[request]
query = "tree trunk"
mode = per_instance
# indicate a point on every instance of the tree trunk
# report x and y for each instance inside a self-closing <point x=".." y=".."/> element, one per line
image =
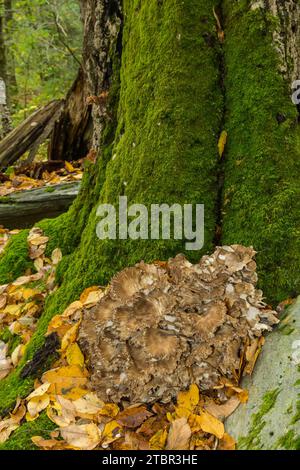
<point x="173" y="85"/>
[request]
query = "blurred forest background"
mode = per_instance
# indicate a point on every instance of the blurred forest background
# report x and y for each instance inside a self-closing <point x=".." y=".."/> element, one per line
<point x="40" y="51"/>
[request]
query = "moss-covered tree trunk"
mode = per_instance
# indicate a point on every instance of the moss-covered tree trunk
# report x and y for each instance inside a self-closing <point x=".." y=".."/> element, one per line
<point x="173" y="85"/>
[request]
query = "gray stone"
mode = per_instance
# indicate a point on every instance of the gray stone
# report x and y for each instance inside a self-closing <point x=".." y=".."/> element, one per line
<point x="271" y="418"/>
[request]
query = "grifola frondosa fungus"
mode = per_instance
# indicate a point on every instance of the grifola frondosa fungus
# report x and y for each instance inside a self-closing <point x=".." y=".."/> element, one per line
<point x="160" y="328"/>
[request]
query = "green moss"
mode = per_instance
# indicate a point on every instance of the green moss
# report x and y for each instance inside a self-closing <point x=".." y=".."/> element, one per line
<point x="289" y="441"/>
<point x="253" y="441"/>
<point x="21" y="438"/>
<point x="261" y="201"/>
<point x="14" y="261"/>
<point x="11" y="340"/>
<point x="50" y="189"/>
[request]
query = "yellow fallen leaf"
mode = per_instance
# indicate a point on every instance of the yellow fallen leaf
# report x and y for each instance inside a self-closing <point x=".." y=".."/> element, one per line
<point x="29" y="293"/>
<point x="227" y="443"/>
<point x="17" y="354"/>
<point x="222" y="143"/>
<point x="39" y="240"/>
<point x="56" y="256"/>
<point x="64" y="379"/>
<point x="158" y="441"/>
<point x="111" y="433"/>
<point x="69" y="167"/>
<point x="74" y="355"/>
<point x="30" y="418"/>
<point x="39" y="391"/>
<point x="38" y="263"/>
<point x="110" y="409"/>
<point x="75" y="393"/>
<point x="187" y="401"/>
<point x="207" y="423"/>
<point x="13" y="310"/>
<point x="82" y="436"/>
<point x="179" y="435"/>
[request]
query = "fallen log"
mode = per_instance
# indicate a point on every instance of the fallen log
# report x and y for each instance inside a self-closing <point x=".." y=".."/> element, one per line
<point x="29" y="135"/>
<point x="25" y="208"/>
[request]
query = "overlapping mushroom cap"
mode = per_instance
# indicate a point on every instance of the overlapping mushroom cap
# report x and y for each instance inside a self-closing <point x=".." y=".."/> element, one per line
<point x="161" y="327"/>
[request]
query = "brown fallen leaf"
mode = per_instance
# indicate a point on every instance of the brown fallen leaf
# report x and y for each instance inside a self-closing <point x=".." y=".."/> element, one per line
<point x="179" y="435"/>
<point x="133" y="417"/>
<point x="222" y="411"/>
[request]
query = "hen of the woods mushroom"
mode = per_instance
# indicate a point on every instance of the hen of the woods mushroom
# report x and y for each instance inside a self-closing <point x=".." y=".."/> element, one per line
<point x="159" y="328"/>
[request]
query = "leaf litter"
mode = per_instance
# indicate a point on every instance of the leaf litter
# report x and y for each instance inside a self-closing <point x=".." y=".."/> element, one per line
<point x="188" y="418"/>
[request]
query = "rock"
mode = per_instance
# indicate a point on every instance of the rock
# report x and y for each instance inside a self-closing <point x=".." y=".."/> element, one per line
<point x="271" y="418"/>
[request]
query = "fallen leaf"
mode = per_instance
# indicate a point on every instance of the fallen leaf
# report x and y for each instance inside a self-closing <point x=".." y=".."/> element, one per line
<point x="17" y="354"/>
<point x="74" y="355"/>
<point x="227" y="443"/>
<point x="111" y="432"/>
<point x="89" y="404"/>
<point x="133" y="417"/>
<point x="38" y="404"/>
<point x="222" y="143"/>
<point x="207" y="423"/>
<point x="188" y="400"/>
<point x="56" y="256"/>
<point x="222" y="411"/>
<point x="82" y="436"/>
<point x="65" y="378"/>
<point x="158" y="441"/>
<point x="70" y="336"/>
<point x="109" y="409"/>
<point x="61" y="411"/>
<point x="46" y="444"/>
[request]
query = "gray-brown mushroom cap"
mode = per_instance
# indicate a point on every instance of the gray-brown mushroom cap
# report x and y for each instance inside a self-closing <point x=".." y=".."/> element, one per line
<point x="159" y="329"/>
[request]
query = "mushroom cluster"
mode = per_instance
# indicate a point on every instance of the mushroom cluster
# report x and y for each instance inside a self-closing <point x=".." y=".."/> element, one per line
<point x="160" y="327"/>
